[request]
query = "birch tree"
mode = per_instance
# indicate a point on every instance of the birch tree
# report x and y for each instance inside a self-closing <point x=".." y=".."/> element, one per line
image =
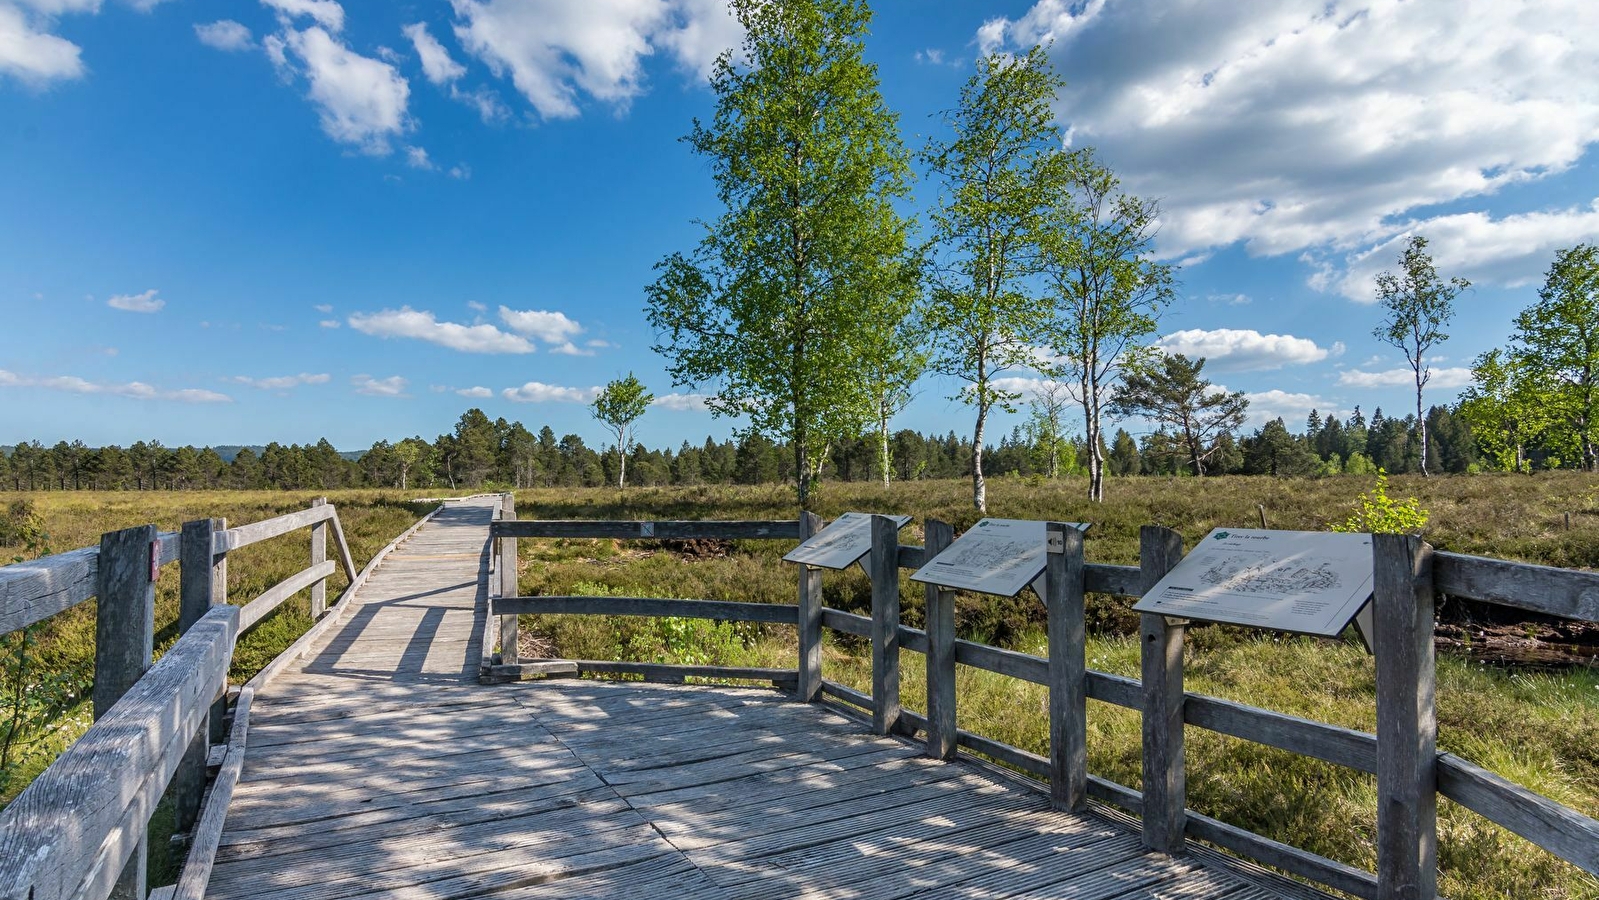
<point x="1419" y="304"/>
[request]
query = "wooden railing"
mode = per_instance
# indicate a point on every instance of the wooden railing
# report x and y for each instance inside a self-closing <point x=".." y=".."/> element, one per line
<point x="80" y="828"/>
<point x="1402" y="754"/>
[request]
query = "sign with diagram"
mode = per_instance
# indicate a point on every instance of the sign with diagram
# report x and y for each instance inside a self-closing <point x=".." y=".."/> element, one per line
<point x="997" y="556"/>
<point x="845" y="541"/>
<point x="1308" y="582"/>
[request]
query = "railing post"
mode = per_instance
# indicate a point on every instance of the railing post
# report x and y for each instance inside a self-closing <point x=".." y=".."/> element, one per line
<point x="219" y="596"/>
<point x="1068" y="667"/>
<point x="319" y="553"/>
<point x="197" y="594"/>
<point x="1161" y="640"/>
<point x="942" y="731"/>
<point x="124" y="641"/>
<point x="884" y="563"/>
<point x="809" y="683"/>
<point x="510" y="646"/>
<point x="1407" y="719"/>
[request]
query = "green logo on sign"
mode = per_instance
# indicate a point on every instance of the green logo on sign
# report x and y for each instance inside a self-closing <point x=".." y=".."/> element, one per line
<point x="1221" y="535"/>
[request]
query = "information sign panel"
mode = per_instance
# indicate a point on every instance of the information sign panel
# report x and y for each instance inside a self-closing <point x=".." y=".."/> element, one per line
<point x="845" y="540"/>
<point x="997" y="556"/>
<point x="1309" y="582"/>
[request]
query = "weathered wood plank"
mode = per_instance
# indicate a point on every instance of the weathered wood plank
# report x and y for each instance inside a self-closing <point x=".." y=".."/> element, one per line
<point x="1103" y="578"/>
<point x="1564" y="832"/>
<point x="670" y="673"/>
<point x="506" y="583"/>
<point x="1161" y="640"/>
<point x="657" y="531"/>
<point x="940" y="606"/>
<point x="1567" y="593"/>
<point x="1291" y="859"/>
<point x="343" y="546"/>
<point x="319" y="552"/>
<point x="883" y="566"/>
<point x="1407" y="719"/>
<point x="1068" y="667"/>
<point x="196" y="596"/>
<point x="256" y="610"/>
<point x="36" y="590"/>
<point x="255" y="532"/>
<point x="112" y="777"/>
<point x="720" y="610"/>
<point x="1318" y="740"/>
<point x="809" y="617"/>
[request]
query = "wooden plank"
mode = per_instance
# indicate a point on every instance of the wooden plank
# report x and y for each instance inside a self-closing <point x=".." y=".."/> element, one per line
<point x="1407" y="719"/>
<point x="1564" y="832"/>
<point x="1124" y="581"/>
<point x="849" y="623"/>
<point x="196" y="596"/>
<point x="196" y="873"/>
<point x="1165" y="776"/>
<point x="1068" y="667"/>
<point x="671" y="673"/>
<point x="319" y="553"/>
<point x="1318" y="740"/>
<point x="506" y="583"/>
<point x="720" y="610"/>
<point x="1303" y="863"/>
<point x="912" y="557"/>
<point x="112" y="777"/>
<point x="940" y="606"/>
<point x="273" y="597"/>
<point x="1567" y="593"/>
<point x="808" y="617"/>
<point x="1025" y="666"/>
<point x="38" y="589"/>
<point x="170" y="543"/>
<point x="657" y="531"/>
<point x="343" y="546"/>
<point x="883" y="566"/>
<point x="245" y="535"/>
<point x="1115" y="689"/>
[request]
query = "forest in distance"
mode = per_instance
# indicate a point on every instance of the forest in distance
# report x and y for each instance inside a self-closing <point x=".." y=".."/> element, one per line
<point x="480" y="452"/>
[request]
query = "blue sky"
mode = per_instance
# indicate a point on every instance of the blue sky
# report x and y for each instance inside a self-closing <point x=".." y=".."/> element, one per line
<point x="298" y="218"/>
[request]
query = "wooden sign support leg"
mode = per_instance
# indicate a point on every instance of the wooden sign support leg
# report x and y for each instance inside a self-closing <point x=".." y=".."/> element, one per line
<point x="1161" y="640"/>
<point x="941" y="723"/>
<point x="808" y="686"/>
<point x="124" y="642"/>
<point x="1068" y="668"/>
<point x="1407" y="719"/>
<point x="885" y="625"/>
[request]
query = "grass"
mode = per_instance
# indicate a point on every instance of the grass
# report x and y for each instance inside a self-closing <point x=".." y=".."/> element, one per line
<point x="62" y="650"/>
<point x="1536" y="728"/>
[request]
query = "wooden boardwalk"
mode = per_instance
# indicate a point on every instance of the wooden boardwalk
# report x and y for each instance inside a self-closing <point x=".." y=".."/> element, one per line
<point x="381" y="768"/>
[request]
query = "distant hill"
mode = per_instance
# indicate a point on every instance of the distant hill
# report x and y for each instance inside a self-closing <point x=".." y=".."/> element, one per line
<point x="229" y="451"/>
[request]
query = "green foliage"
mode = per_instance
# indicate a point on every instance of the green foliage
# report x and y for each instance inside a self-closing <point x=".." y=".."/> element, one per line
<point x="1377" y="513"/>
<point x="808" y="267"/>
<point x="1554" y="364"/>
<point x="1418" y="304"/>
<point x="1170" y="391"/>
<point x="619" y="406"/>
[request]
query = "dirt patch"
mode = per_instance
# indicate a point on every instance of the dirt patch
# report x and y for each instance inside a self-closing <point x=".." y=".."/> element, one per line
<point x="1538" y="644"/>
<point x="699" y="548"/>
<point x="532" y="645"/>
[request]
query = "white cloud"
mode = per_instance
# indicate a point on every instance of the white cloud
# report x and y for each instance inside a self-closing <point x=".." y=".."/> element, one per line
<point x="549" y="327"/>
<point x="417" y="158"/>
<point x="555" y="52"/>
<point x="1454" y="377"/>
<point x="461" y="172"/>
<point x="1019" y="384"/>
<point x="478" y="393"/>
<point x="598" y="344"/>
<point x="682" y="402"/>
<point x="931" y="55"/>
<point x="437" y="65"/>
<point x="326" y="13"/>
<point x="406" y="322"/>
<point x="570" y="349"/>
<point x="29" y="52"/>
<point x="1304" y="124"/>
<point x="329" y="323"/>
<point x="360" y="101"/>
<point x="539" y="392"/>
<point x="224" y="34"/>
<point x="323" y="307"/>
<point x="1292" y="408"/>
<point x="392" y="386"/>
<point x="136" y="390"/>
<point x="146" y="302"/>
<point x="283" y="382"/>
<point x="1242" y="350"/>
<point x="475" y="305"/>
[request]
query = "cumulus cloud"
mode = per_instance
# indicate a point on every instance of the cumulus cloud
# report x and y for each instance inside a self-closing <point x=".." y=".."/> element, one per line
<point x="421" y="325"/>
<point x="477" y="393"/>
<point x="1242" y="350"/>
<point x="136" y="390"/>
<point x="224" y="34"/>
<point x="539" y="392"/>
<point x="282" y="382"/>
<point x="329" y="323"/>
<point x="327" y="13"/>
<point x="549" y="327"/>
<point x="1453" y="377"/>
<point x="29" y="52"/>
<point x="1328" y="127"/>
<point x="437" y="65"/>
<point x="417" y="158"/>
<point x="682" y="402"/>
<point x="1292" y="408"/>
<point x="146" y="302"/>
<point x="360" y="101"/>
<point x="392" y="386"/>
<point x="556" y="52"/>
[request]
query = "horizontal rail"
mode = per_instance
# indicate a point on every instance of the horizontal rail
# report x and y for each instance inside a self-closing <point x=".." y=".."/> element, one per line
<point x="670" y="672"/>
<point x="721" y="610"/>
<point x="113" y="776"/>
<point x="1103" y="578"/>
<point x="658" y="531"/>
<point x="1567" y="593"/>
<point x="1286" y="857"/>
<point x="1564" y="832"/>
<point x="38" y="589"/>
<point x="256" y="532"/>
<point x="1306" y="737"/>
<point x="273" y="597"/>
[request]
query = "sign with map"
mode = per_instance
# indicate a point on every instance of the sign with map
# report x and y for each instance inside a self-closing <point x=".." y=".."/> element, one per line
<point x="1308" y="582"/>
<point x="997" y="556"/>
<point x="845" y="541"/>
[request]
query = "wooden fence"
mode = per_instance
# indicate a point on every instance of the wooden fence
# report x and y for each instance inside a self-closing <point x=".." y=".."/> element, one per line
<point x="80" y="828"/>
<point x="1411" y="774"/>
